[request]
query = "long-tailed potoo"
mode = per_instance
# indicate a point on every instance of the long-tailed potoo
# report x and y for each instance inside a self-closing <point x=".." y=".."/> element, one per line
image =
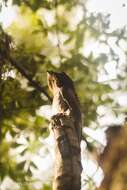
<point x="64" y="98"/>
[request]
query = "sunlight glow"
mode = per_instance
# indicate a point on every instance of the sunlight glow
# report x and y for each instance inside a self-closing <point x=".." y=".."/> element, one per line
<point x="115" y="8"/>
<point x="97" y="134"/>
<point x="8" y="15"/>
<point x="118" y="19"/>
<point x="7" y="183"/>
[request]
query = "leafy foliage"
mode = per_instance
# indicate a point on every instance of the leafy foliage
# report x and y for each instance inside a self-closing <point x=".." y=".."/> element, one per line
<point x="49" y="36"/>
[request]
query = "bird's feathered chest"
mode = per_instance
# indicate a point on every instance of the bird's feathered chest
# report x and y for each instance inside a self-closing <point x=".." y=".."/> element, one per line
<point x="65" y="101"/>
<point x="59" y="105"/>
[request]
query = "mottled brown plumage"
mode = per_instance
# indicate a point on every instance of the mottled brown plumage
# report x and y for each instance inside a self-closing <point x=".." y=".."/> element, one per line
<point x="64" y="97"/>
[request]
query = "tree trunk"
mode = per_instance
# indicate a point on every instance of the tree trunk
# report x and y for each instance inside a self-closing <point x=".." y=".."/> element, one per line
<point x="113" y="160"/>
<point x="67" y="175"/>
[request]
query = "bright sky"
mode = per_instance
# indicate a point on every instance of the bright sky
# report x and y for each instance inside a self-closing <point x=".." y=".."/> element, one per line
<point x="117" y="9"/>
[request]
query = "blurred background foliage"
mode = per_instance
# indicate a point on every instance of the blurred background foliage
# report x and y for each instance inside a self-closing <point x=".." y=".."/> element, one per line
<point x="52" y="35"/>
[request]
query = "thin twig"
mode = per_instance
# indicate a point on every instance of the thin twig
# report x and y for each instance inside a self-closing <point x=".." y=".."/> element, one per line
<point x="1" y="109"/>
<point x="34" y="83"/>
<point x="57" y="30"/>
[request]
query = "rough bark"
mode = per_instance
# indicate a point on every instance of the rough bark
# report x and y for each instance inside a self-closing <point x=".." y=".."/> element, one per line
<point x="67" y="175"/>
<point x="113" y="160"/>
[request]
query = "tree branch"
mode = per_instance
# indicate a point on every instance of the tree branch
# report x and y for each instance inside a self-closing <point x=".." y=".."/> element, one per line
<point x="34" y="83"/>
<point x="1" y="107"/>
<point x="57" y="30"/>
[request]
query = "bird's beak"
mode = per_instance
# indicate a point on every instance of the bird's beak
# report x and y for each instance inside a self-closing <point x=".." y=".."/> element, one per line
<point x="49" y="72"/>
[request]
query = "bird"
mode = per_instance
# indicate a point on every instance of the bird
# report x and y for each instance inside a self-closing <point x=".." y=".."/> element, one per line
<point x="65" y="99"/>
